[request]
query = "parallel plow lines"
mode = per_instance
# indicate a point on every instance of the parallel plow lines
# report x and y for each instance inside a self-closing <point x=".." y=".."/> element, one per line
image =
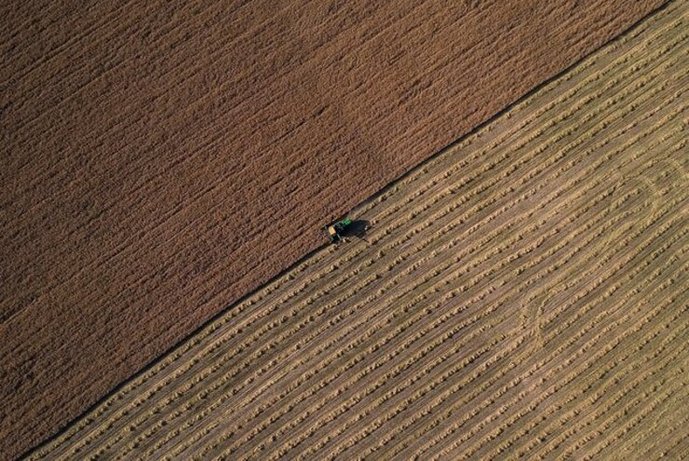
<point x="523" y="294"/>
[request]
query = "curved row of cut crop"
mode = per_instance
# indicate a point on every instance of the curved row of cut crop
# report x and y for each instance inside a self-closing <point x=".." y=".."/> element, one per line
<point x="543" y="236"/>
<point x="505" y="385"/>
<point x="528" y="428"/>
<point x="482" y="389"/>
<point x="569" y="389"/>
<point x="213" y="327"/>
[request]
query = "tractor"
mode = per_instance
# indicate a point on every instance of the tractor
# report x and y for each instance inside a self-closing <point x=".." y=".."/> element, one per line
<point x="337" y="230"/>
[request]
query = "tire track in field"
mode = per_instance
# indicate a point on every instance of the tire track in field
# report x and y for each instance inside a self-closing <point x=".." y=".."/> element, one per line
<point x="492" y="274"/>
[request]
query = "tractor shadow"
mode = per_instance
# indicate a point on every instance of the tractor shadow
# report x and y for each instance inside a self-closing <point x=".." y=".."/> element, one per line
<point x="357" y="228"/>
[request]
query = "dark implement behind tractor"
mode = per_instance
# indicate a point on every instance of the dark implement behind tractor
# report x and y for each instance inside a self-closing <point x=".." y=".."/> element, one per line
<point x="337" y="230"/>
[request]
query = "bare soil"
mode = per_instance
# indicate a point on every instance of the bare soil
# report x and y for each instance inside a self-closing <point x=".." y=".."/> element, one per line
<point x="522" y="295"/>
<point x="160" y="160"/>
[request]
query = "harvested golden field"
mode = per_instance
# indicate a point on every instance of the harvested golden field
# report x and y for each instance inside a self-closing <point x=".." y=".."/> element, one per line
<point x="162" y="159"/>
<point x="524" y="294"/>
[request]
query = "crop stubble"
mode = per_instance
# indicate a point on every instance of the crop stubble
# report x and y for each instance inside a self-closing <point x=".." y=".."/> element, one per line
<point x="525" y="293"/>
<point x="161" y="159"/>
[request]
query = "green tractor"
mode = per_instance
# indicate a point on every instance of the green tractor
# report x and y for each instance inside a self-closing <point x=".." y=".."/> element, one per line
<point x="337" y="230"/>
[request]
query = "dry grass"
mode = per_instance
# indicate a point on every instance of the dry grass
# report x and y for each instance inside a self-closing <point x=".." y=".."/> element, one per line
<point x="523" y="295"/>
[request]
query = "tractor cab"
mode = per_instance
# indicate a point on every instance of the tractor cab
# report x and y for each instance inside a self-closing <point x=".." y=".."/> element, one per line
<point x="337" y="230"/>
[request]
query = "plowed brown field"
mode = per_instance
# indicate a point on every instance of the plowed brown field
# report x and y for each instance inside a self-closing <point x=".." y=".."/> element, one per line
<point x="161" y="159"/>
<point x="523" y="295"/>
